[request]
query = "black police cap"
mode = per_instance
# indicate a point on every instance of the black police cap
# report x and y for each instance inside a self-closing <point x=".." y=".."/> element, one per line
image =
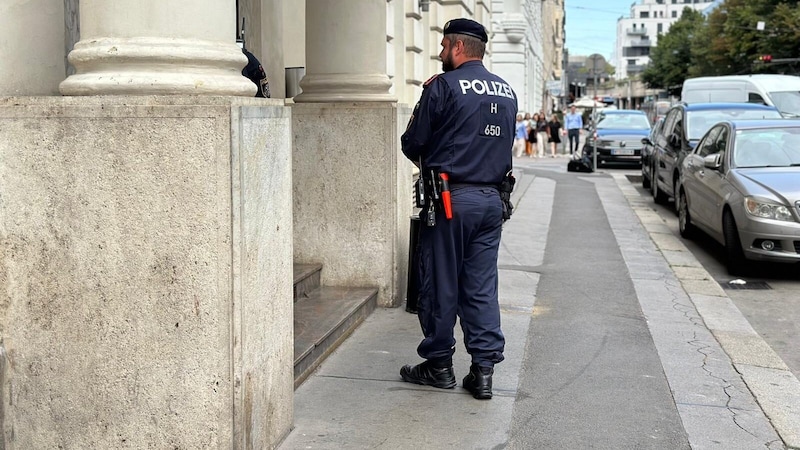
<point x="466" y="26"/>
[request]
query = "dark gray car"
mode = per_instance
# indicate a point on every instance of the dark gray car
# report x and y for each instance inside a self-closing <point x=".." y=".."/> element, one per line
<point x="683" y="126"/>
<point x="741" y="185"/>
<point x="648" y="148"/>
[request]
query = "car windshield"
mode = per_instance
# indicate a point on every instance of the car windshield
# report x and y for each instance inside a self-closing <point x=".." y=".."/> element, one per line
<point x="767" y="147"/>
<point x="787" y="102"/>
<point x="623" y="122"/>
<point x="702" y="121"/>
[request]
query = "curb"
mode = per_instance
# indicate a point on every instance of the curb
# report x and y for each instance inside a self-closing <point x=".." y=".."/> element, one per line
<point x="772" y="384"/>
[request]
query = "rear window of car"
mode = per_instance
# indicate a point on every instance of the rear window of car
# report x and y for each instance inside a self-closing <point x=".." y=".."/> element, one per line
<point x="701" y="121"/>
<point x="623" y="122"/>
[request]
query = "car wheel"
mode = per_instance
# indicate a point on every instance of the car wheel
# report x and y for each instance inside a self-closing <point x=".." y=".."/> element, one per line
<point x="737" y="264"/>
<point x="684" y="219"/>
<point x="646" y="176"/>
<point x="658" y="195"/>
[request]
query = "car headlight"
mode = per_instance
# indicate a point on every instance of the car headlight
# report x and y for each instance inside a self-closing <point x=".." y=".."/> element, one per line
<point x="767" y="210"/>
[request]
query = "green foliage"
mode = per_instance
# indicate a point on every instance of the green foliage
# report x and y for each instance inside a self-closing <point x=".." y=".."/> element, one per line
<point x="607" y="71"/>
<point x="672" y="57"/>
<point x="727" y="42"/>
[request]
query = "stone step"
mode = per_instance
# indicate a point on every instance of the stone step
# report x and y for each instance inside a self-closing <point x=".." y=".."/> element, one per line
<point x="323" y="318"/>
<point x="306" y="279"/>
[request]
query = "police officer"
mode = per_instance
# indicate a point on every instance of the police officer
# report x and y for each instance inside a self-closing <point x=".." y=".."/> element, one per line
<point x="255" y="72"/>
<point x="462" y="126"/>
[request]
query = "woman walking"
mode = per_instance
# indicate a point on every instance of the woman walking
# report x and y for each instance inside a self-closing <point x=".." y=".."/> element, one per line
<point x="554" y="130"/>
<point x="532" y="134"/>
<point x="541" y="133"/>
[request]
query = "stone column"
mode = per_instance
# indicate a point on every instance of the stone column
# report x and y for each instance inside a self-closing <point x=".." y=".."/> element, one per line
<point x="31" y="47"/>
<point x="157" y="47"/>
<point x="345" y="52"/>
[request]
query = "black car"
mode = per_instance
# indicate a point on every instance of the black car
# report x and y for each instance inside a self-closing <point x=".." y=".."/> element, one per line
<point x="647" y="152"/>
<point x="618" y="136"/>
<point x="683" y="127"/>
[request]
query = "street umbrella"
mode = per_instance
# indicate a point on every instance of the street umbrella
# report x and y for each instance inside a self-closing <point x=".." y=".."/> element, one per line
<point x="586" y="102"/>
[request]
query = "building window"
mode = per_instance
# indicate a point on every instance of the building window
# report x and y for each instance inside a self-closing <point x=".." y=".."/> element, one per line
<point x="674" y="14"/>
<point x="674" y="1"/>
<point x="660" y="27"/>
<point x="631" y="62"/>
<point x="644" y="14"/>
<point x="661" y="14"/>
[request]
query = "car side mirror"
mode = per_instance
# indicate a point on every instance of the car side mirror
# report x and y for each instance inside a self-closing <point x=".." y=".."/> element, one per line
<point x="646" y="141"/>
<point x="713" y="161"/>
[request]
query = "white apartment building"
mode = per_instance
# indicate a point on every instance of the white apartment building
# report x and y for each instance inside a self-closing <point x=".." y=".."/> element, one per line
<point x="637" y="34"/>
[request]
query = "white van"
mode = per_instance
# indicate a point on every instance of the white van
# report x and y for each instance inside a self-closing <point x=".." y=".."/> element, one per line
<point x="780" y="91"/>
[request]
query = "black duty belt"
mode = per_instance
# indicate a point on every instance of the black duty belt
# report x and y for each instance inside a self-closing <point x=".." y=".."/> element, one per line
<point x="454" y="186"/>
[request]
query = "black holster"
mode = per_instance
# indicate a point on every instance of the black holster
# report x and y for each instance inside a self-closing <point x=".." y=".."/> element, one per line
<point x="506" y="187"/>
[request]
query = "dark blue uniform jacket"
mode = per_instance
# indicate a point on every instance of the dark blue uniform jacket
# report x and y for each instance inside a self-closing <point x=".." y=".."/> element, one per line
<point x="463" y="125"/>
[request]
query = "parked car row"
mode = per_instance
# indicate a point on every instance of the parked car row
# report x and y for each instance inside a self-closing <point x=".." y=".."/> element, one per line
<point x="683" y="127"/>
<point x="741" y="186"/>
<point x="733" y="170"/>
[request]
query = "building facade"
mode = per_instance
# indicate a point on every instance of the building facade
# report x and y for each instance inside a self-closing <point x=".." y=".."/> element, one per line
<point x="637" y="34"/>
<point x="553" y="17"/>
<point x="518" y="55"/>
<point x="152" y="210"/>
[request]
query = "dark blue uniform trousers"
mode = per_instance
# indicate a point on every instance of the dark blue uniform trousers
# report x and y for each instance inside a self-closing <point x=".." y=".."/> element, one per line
<point x="458" y="277"/>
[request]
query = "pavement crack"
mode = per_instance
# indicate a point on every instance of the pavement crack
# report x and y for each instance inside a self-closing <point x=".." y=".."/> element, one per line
<point x="703" y="349"/>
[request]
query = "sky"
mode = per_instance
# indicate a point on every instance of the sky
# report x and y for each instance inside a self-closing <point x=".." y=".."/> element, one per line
<point x="591" y="25"/>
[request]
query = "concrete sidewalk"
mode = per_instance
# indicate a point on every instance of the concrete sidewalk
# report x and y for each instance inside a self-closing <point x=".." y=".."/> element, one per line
<point x="356" y="399"/>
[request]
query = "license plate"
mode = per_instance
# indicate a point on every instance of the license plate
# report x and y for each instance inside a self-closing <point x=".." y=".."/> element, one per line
<point x="623" y="152"/>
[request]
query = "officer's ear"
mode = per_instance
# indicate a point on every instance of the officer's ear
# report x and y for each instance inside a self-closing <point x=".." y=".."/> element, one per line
<point x="460" y="46"/>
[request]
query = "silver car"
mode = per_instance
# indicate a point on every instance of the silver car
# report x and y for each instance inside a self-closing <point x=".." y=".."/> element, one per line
<point x="741" y="185"/>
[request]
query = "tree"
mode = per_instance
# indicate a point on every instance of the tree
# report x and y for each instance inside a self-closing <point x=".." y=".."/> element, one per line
<point x="671" y="58"/>
<point x="732" y="40"/>
<point x="710" y="47"/>
<point x="728" y="42"/>
<point x="782" y="38"/>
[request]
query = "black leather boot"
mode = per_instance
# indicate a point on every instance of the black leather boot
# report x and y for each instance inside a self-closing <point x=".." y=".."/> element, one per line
<point x="479" y="382"/>
<point x="428" y="375"/>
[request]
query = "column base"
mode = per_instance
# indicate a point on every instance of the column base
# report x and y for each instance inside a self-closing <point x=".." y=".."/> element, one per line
<point x="157" y="66"/>
<point x="345" y="87"/>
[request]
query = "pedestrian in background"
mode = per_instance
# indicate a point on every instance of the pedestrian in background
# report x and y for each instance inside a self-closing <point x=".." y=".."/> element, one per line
<point x="533" y="135"/>
<point x="541" y="133"/>
<point x="554" y="133"/>
<point x="527" y="121"/>
<point x="468" y="134"/>
<point x="574" y="125"/>
<point x="520" y="136"/>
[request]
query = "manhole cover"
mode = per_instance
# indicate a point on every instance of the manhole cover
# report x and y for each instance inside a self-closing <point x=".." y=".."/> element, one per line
<point x="752" y="285"/>
<point x="635" y="179"/>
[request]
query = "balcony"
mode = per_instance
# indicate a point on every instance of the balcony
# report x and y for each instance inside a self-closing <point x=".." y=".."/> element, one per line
<point x="636" y="31"/>
<point x="641" y="42"/>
